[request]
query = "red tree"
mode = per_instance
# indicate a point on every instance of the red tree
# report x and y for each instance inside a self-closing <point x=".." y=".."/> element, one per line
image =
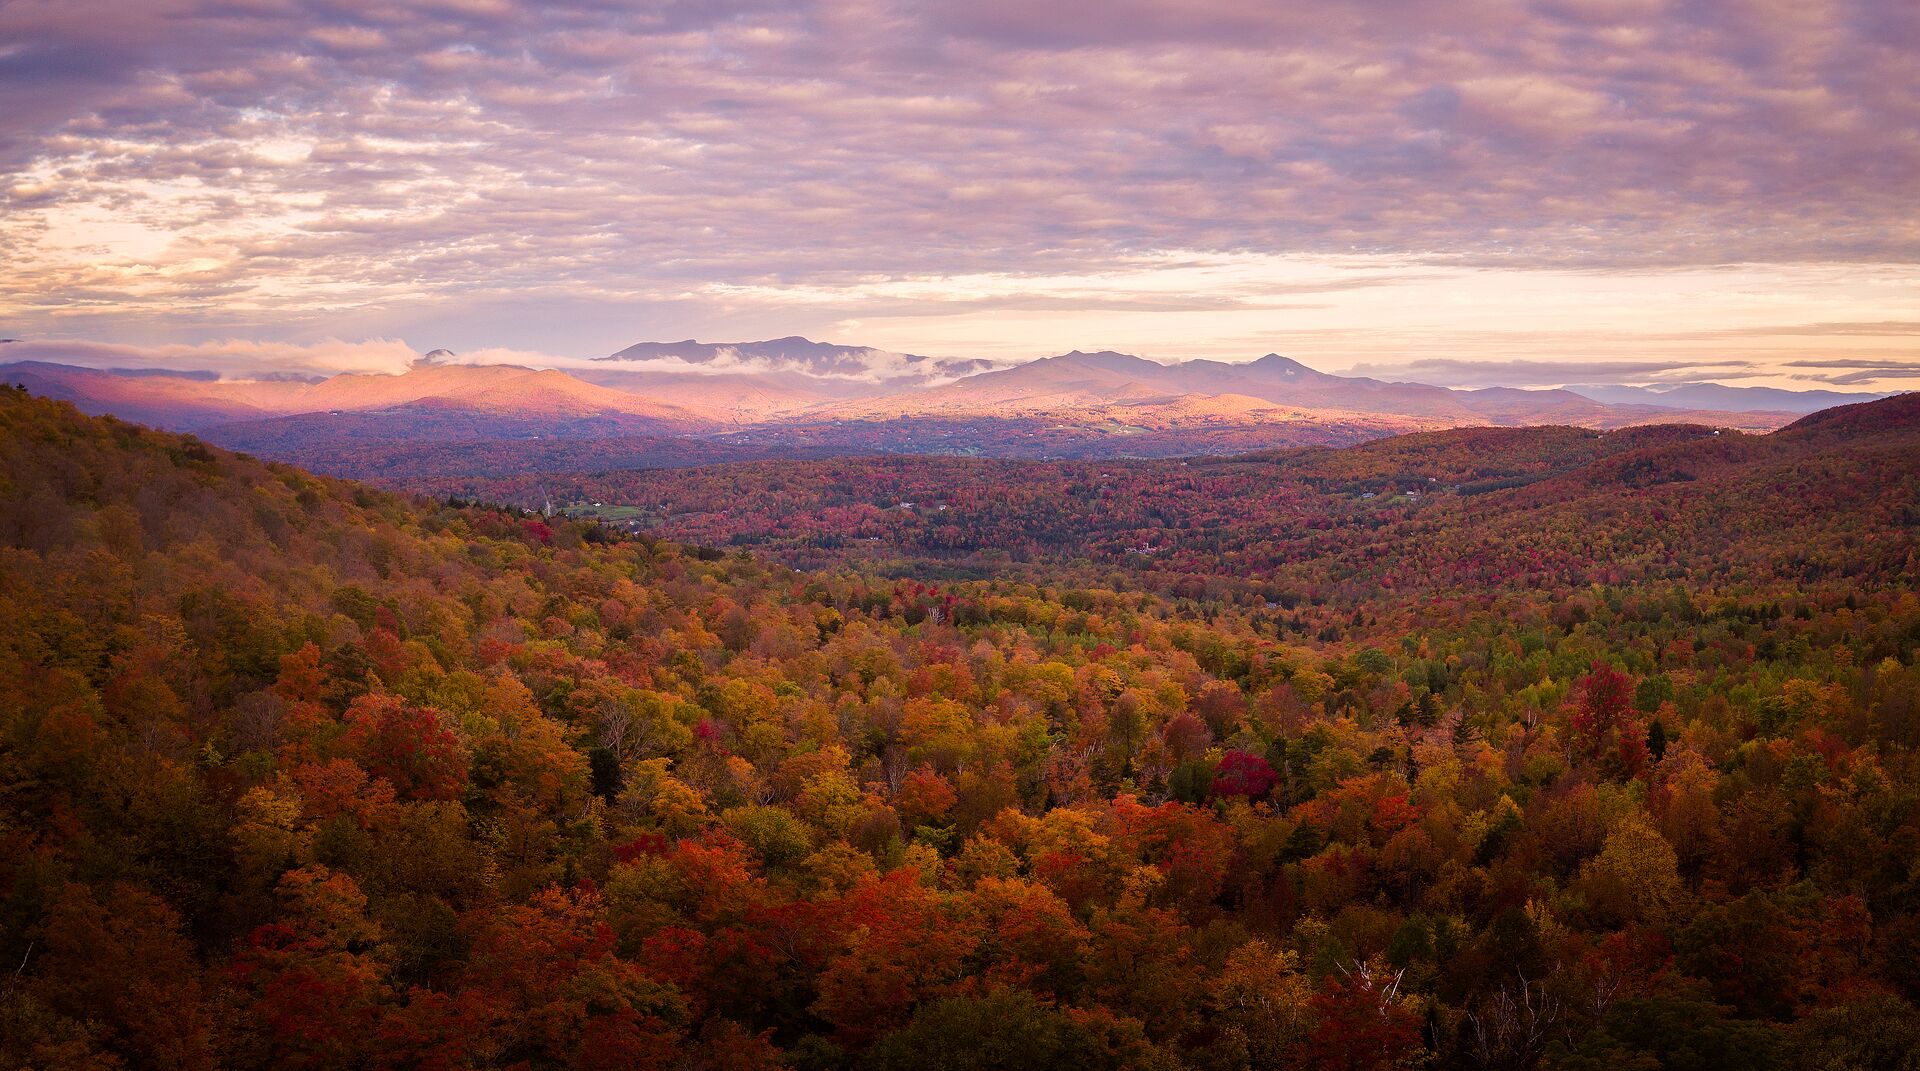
<point x="1243" y="773"/>
<point x="407" y="746"/>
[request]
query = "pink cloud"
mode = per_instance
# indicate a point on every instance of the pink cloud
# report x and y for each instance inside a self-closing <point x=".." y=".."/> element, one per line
<point x="222" y="167"/>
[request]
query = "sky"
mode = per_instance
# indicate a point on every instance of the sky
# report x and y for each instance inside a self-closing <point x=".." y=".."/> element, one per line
<point x="1472" y="192"/>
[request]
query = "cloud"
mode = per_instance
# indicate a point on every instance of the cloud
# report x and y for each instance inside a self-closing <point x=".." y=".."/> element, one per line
<point x="1902" y="373"/>
<point x="1857" y="371"/>
<point x="1855" y="362"/>
<point x="1447" y="372"/>
<point x="194" y="169"/>
<point x="851" y="365"/>
<point x="1892" y="328"/>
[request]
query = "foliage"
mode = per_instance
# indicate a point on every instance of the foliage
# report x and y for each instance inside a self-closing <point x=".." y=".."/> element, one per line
<point x="294" y="772"/>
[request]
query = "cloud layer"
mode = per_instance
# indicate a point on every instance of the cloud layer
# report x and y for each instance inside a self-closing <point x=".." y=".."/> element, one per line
<point x="574" y="177"/>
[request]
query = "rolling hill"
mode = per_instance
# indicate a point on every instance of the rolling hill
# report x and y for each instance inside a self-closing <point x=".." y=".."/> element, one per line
<point x="161" y="398"/>
<point x="1076" y="381"/>
<point x="1834" y="496"/>
<point x="481" y="396"/>
<point x="667" y="404"/>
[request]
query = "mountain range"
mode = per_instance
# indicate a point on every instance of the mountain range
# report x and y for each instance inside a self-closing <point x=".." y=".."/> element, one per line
<point x="1720" y="396"/>
<point x="671" y="403"/>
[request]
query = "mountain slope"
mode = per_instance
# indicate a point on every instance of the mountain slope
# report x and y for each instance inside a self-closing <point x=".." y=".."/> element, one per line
<point x="1833" y="498"/>
<point x="728" y="398"/>
<point x="1076" y="380"/>
<point x="163" y="399"/>
<point x="503" y="390"/>
<point x="197" y="402"/>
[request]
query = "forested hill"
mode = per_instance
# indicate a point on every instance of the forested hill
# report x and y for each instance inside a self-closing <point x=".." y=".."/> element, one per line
<point x="298" y="774"/>
<point x="1835" y="499"/>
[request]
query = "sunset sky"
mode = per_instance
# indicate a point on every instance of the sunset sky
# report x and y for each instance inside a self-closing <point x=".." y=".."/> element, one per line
<point x="1465" y="193"/>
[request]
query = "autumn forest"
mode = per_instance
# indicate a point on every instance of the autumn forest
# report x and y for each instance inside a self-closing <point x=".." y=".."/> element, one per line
<point x="1483" y="748"/>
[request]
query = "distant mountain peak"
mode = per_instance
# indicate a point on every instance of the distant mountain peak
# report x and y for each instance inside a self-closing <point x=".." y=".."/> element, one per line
<point x="1275" y="364"/>
<point x="1719" y="396"/>
<point x="1110" y="360"/>
<point x="436" y="356"/>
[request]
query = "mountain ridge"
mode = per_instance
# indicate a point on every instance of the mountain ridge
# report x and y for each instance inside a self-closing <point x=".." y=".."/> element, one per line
<point x="823" y="399"/>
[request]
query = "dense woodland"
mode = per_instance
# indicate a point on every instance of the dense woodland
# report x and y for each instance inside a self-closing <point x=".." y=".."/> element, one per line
<point x="419" y="443"/>
<point x="1462" y="513"/>
<point x="1617" y="767"/>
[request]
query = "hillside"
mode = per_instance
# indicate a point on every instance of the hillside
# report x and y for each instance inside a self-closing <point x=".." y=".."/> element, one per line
<point x="296" y="773"/>
<point x="202" y="402"/>
<point x="165" y="399"/>
<point x="726" y="398"/>
<point x="1835" y="495"/>
<point x="1074" y="382"/>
